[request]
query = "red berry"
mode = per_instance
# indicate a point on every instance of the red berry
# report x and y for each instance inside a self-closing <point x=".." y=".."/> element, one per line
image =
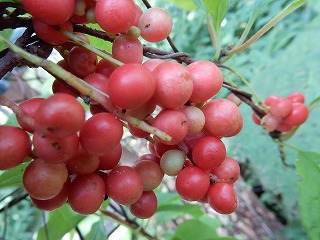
<point x="146" y="205"/>
<point x="15" y="145"/>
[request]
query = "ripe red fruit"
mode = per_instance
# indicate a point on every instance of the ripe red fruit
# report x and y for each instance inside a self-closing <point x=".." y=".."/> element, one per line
<point x="281" y="107"/>
<point x="50" y="35"/>
<point x="146" y="206"/>
<point x="86" y="193"/>
<point x="127" y="49"/>
<point x="208" y="152"/>
<point x="192" y="183"/>
<point x="82" y="61"/>
<point x="52" y="203"/>
<point x="124" y="185"/>
<point x="59" y="116"/>
<point x="207" y="80"/>
<point x="150" y="172"/>
<point x="105" y="67"/>
<point x="296" y="97"/>
<point x="172" y="122"/>
<point x="222" y="116"/>
<point x="30" y="106"/>
<point x="174" y="85"/>
<point x="115" y="16"/>
<point x="298" y="115"/>
<point x="270" y="122"/>
<point x="55" y="150"/>
<point x="222" y="198"/>
<point x="43" y="180"/>
<point x="155" y="24"/>
<point x="101" y="134"/>
<point x="98" y="81"/>
<point x="51" y="12"/>
<point x="15" y="145"/>
<point x="130" y="86"/>
<point x="82" y="163"/>
<point x="228" y="171"/>
<point x="110" y="160"/>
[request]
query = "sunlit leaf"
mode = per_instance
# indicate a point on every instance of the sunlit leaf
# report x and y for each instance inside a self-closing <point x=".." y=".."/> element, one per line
<point x="187" y="5"/>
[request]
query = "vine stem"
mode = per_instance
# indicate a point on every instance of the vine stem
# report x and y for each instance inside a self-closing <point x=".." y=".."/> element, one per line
<point x="264" y="29"/>
<point x="85" y="88"/>
<point x="214" y="36"/>
<point x="244" y="81"/>
<point x="127" y="224"/>
<point x="87" y="46"/>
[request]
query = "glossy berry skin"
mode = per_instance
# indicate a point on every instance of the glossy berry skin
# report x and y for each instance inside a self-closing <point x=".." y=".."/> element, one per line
<point x="50" y="35"/>
<point x="130" y="86"/>
<point x="150" y="172"/>
<point x="51" y="12"/>
<point x="155" y="24"/>
<point x="124" y="185"/>
<point x="172" y="122"/>
<point x="55" y="150"/>
<point x="296" y="97"/>
<point x="208" y="152"/>
<point x="174" y="85"/>
<point x="15" y="145"/>
<point x="228" y="171"/>
<point x="43" y="180"/>
<point x="111" y="159"/>
<point x="172" y="162"/>
<point x="281" y="107"/>
<point x="222" y="198"/>
<point x="82" y="62"/>
<point x="222" y="116"/>
<point x="82" y="163"/>
<point x="127" y="49"/>
<point x="101" y="134"/>
<point x="298" y="115"/>
<point x="146" y="206"/>
<point x="52" y="203"/>
<point x="192" y="183"/>
<point x="207" y="80"/>
<point x="30" y="106"/>
<point x="59" y="116"/>
<point x="86" y="193"/>
<point x="115" y="16"/>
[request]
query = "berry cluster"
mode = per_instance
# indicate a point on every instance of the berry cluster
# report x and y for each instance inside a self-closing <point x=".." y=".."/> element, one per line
<point x="283" y="113"/>
<point x="76" y="159"/>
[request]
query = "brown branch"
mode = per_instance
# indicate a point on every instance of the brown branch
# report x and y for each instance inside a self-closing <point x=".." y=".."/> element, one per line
<point x="93" y="32"/>
<point x="9" y="22"/>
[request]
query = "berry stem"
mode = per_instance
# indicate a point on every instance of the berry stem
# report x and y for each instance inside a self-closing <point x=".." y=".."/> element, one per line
<point x="87" y="46"/>
<point x="85" y="88"/>
<point x="127" y="224"/>
<point x="18" y="111"/>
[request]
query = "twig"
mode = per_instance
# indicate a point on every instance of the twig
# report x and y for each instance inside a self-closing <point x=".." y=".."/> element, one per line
<point x="128" y="225"/>
<point x="79" y="233"/>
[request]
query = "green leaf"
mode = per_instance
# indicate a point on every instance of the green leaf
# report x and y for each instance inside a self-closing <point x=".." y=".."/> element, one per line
<point x="195" y="229"/>
<point x="308" y="167"/>
<point x="187" y="5"/>
<point x="98" y="42"/>
<point x="217" y="9"/>
<point x="6" y="33"/>
<point x="60" y="222"/>
<point x="257" y="9"/>
<point x="193" y="210"/>
<point x="12" y="177"/>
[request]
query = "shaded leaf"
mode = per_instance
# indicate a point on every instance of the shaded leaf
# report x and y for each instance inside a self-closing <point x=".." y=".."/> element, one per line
<point x="195" y="229"/>
<point x="308" y="167"/>
<point x="217" y="9"/>
<point x="60" y="222"/>
<point x="12" y="177"/>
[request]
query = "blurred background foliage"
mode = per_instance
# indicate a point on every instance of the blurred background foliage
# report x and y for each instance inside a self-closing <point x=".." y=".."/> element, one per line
<point x="284" y="60"/>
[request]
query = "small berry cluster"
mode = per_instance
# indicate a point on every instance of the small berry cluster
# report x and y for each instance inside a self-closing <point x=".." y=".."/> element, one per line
<point x="283" y="113"/>
<point x="77" y="159"/>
